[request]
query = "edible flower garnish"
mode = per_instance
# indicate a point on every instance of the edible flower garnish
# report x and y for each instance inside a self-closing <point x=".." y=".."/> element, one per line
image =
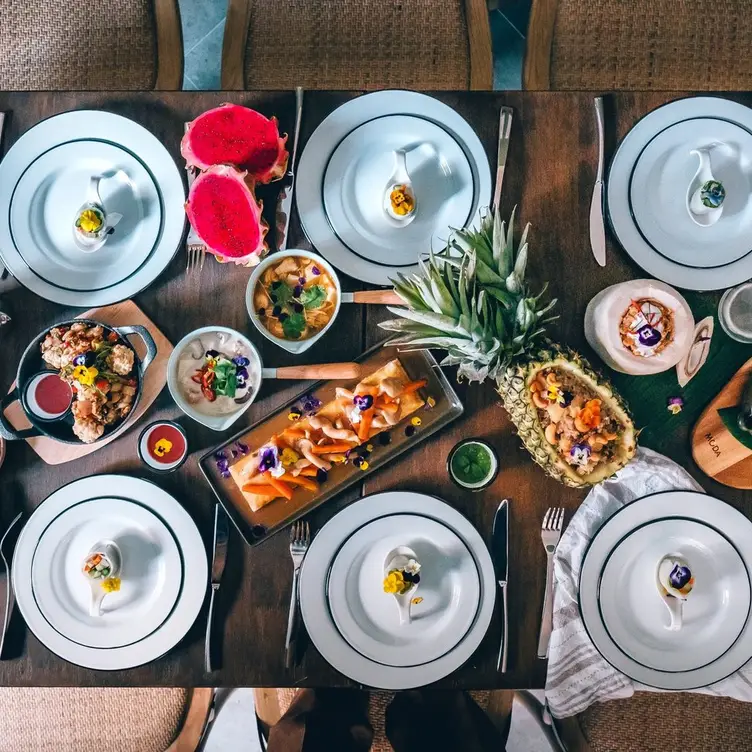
<point x="162" y="447"/>
<point x="712" y="194"/>
<point x="220" y="377"/>
<point x="363" y="401"/>
<point x="268" y="457"/>
<point x="242" y="448"/>
<point x="401" y="201"/>
<point x="649" y="336"/>
<point x="679" y="576"/>
<point x="395" y="582"/>
<point x="89" y="220"/>
<point x="289" y="457"/>
<point x="85" y="376"/>
<point x="416" y="421"/>
<point x="412" y="567"/>
<point x="590" y="415"/>
<point x="294" y="415"/>
<point x="309" y="404"/>
<point x="555" y="394"/>
<point x="580" y="454"/>
<point x="111" y="585"/>
<point x="416" y="601"/>
<point x="675" y="405"/>
<point x="431" y="402"/>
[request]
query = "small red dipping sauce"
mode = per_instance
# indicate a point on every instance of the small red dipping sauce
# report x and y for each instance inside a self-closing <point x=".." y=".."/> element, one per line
<point x="163" y="445"/>
<point x="48" y="396"/>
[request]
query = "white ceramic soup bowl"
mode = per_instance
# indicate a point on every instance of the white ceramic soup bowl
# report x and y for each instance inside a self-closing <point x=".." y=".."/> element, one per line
<point x="293" y="346"/>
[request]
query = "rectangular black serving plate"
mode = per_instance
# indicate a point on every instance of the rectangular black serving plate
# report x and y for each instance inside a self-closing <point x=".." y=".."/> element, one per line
<point x="256" y="527"/>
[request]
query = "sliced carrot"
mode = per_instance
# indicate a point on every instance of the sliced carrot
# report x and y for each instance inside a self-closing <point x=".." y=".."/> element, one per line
<point x="309" y="472"/>
<point x="283" y="489"/>
<point x="339" y="446"/>
<point x="364" y="427"/>
<point x="363" y="389"/>
<point x="413" y="386"/>
<point x="306" y="483"/>
<point x="265" y="490"/>
<point x="389" y="407"/>
<point x="293" y="433"/>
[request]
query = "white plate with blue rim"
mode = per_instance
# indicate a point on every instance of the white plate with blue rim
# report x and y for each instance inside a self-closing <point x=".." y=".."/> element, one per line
<point x="647" y="187"/>
<point x="160" y="198"/>
<point x="315" y="573"/>
<point x="187" y="537"/>
<point x="714" y="558"/>
<point x="334" y="129"/>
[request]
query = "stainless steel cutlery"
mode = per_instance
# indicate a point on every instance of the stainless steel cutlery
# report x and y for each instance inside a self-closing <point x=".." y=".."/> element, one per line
<point x="597" y="227"/>
<point x="219" y="558"/>
<point x="300" y="539"/>
<point x="550" y="535"/>
<point x="284" y="202"/>
<point x="500" y="555"/>
<point x="505" y="129"/>
<point x="7" y="599"/>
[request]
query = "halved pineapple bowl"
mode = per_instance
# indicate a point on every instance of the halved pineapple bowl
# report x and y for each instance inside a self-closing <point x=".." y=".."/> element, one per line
<point x="473" y="302"/>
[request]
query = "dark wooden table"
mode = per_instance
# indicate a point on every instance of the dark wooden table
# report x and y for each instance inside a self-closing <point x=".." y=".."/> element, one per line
<point x="549" y="175"/>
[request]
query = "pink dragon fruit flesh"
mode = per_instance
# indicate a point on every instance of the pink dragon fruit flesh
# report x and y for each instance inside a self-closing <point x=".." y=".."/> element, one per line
<point x="239" y="136"/>
<point x="225" y="214"/>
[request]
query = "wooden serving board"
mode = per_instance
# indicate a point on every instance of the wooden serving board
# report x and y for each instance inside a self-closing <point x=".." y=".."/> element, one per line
<point x="126" y="313"/>
<point x="716" y="451"/>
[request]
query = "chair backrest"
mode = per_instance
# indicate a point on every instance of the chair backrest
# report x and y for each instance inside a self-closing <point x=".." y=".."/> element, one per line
<point x="638" y="45"/>
<point x="357" y="44"/>
<point x="90" y="44"/>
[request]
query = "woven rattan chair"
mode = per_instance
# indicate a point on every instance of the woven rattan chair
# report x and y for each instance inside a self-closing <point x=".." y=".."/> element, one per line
<point x="272" y="704"/>
<point x="90" y="45"/>
<point x="639" y="45"/>
<point x="357" y="44"/>
<point x="103" y="719"/>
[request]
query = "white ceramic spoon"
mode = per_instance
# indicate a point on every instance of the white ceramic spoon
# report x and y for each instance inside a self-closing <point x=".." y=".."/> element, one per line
<point x="673" y="597"/>
<point x="111" y="552"/>
<point x="398" y="559"/>
<point x="705" y="194"/>
<point x="400" y="179"/>
<point x="94" y="201"/>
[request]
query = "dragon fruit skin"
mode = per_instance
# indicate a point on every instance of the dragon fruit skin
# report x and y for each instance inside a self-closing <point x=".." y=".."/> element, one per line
<point x="238" y="136"/>
<point x="226" y="215"/>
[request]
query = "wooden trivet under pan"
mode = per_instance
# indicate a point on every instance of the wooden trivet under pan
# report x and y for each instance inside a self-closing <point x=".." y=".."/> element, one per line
<point x="719" y="448"/>
<point x="126" y="313"/>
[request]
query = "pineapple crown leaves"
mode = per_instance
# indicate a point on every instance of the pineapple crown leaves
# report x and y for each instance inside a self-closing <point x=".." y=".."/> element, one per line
<point x="472" y="301"/>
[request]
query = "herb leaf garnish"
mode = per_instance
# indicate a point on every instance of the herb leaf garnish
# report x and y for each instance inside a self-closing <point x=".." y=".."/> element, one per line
<point x="313" y="297"/>
<point x="294" y="325"/>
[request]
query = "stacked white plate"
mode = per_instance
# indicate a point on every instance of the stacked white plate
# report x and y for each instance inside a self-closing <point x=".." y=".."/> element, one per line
<point x="345" y="170"/>
<point x="648" y="185"/>
<point x="356" y="626"/>
<point x="44" y="181"/>
<point x="164" y="572"/>
<point x="623" y="611"/>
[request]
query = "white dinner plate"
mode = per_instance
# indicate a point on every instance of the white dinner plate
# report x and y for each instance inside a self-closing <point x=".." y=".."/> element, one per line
<point x="714" y="614"/>
<point x="681" y="504"/>
<point x="192" y="552"/>
<point x="368" y="618"/>
<point x="313" y="590"/>
<point x="151" y="573"/>
<point x="118" y="131"/>
<point x="49" y="195"/>
<point x="721" y="266"/>
<point x="358" y="176"/>
<point x="334" y="129"/>
<point x="661" y="183"/>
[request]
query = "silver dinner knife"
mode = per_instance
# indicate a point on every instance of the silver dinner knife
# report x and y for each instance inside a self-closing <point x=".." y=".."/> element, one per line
<point x="500" y="554"/>
<point x="597" y="228"/>
<point x="8" y="598"/>
<point x="284" y="202"/>
<point x="505" y="129"/>
<point x="221" y="534"/>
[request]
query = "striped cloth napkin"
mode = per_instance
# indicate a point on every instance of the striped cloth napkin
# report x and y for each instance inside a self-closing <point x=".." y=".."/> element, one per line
<point x="578" y="675"/>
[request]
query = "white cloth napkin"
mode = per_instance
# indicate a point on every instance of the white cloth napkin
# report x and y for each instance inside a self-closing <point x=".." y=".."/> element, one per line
<point x="578" y="675"/>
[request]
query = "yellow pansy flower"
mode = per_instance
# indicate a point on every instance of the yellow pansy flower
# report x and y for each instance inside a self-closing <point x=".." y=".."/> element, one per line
<point x="85" y="376"/>
<point x="162" y="447"/>
<point x="111" y="585"/>
<point x="289" y="457"/>
<point x="394" y="582"/>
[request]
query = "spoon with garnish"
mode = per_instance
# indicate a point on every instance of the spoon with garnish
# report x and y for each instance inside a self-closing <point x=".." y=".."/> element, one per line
<point x="399" y="198"/>
<point x="705" y="195"/>
<point x="102" y="567"/>
<point x="675" y="581"/>
<point x="93" y="225"/>
<point x="401" y="578"/>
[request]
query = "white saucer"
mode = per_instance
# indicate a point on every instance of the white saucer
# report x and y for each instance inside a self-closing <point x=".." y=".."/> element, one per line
<point x="661" y="180"/>
<point x="691" y="505"/>
<point x="118" y="131"/>
<point x="313" y="590"/>
<point x="694" y="110"/>
<point x="359" y="172"/>
<point x="368" y="618"/>
<point x="714" y="613"/>
<point x="152" y="573"/>
<point x="334" y="129"/>
<point x="192" y="552"/>
<point x="50" y="193"/>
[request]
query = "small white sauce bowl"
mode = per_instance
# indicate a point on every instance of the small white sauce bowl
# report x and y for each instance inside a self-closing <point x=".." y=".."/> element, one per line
<point x="294" y="346"/>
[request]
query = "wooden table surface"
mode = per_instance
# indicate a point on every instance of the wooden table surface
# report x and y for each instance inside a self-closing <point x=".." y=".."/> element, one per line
<point x="549" y="175"/>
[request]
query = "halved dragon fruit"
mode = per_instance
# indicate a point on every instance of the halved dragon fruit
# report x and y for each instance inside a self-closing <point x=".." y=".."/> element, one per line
<point x="226" y="215"/>
<point x="239" y="136"/>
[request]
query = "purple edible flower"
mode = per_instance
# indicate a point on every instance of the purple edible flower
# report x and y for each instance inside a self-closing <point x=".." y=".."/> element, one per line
<point x="220" y="455"/>
<point x="297" y="291"/>
<point x="309" y="404"/>
<point x="580" y="454"/>
<point x="679" y="576"/>
<point x="223" y="465"/>
<point x="242" y="448"/>
<point x="301" y="280"/>
<point x="241" y="361"/>
<point x="363" y="401"/>
<point x="649" y="336"/>
<point x="234" y="453"/>
<point x="315" y="271"/>
<point x="268" y="458"/>
<point x="675" y="405"/>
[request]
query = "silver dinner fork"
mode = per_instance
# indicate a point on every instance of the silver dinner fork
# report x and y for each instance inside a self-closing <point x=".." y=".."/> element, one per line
<point x="300" y="538"/>
<point x="194" y="247"/>
<point x="550" y="535"/>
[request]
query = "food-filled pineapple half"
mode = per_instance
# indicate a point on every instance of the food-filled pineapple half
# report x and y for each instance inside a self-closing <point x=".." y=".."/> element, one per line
<point x="473" y="302"/>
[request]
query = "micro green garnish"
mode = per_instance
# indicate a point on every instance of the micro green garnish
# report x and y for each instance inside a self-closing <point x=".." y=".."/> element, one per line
<point x="290" y="304"/>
